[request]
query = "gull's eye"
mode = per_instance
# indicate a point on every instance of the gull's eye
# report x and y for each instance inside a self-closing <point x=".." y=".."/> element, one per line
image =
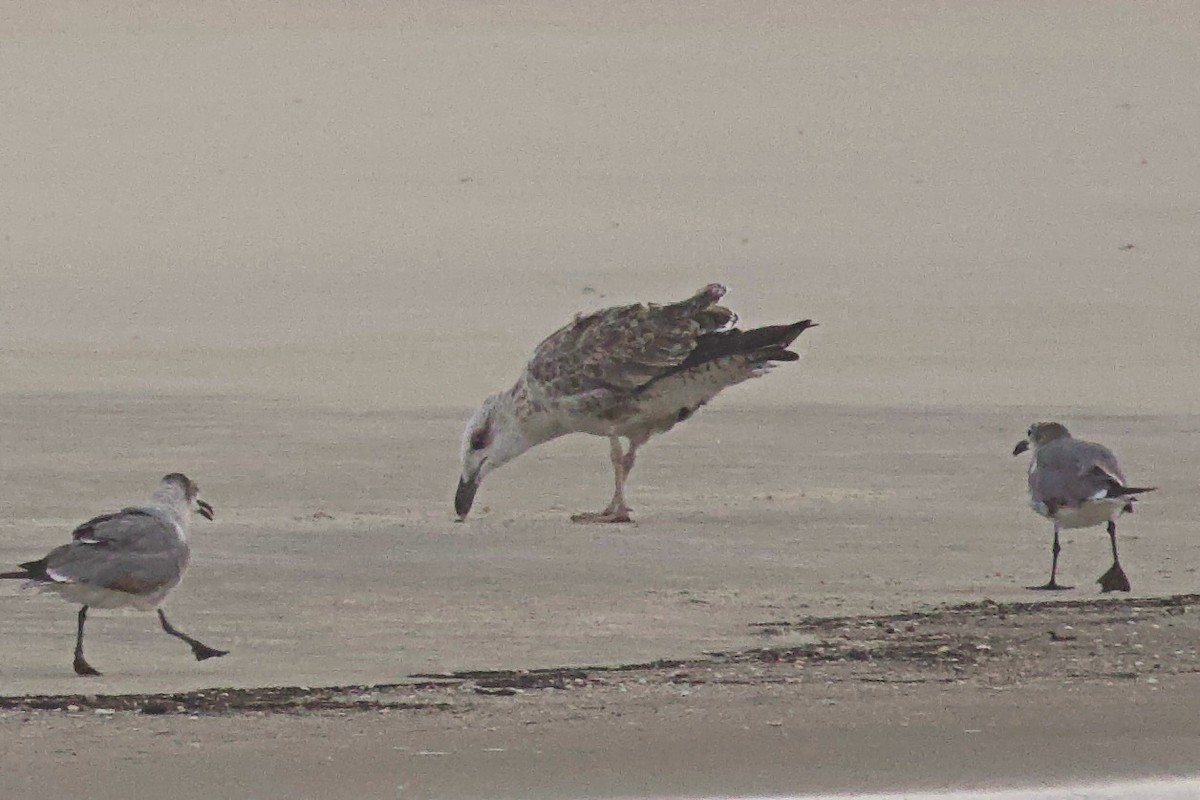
<point x="479" y="439"/>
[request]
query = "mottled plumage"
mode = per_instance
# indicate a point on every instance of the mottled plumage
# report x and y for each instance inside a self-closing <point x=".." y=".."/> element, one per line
<point x="1077" y="484"/>
<point x="133" y="557"/>
<point x="627" y="371"/>
<point x="623" y="348"/>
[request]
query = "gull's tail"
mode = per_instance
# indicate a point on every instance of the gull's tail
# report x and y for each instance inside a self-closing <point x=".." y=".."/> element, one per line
<point x="769" y="343"/>
<point x="1128" y="491"/>
<point x="1117" y="491"/>
<point x="30" y="571"/>
<point x="1114" y="488"/>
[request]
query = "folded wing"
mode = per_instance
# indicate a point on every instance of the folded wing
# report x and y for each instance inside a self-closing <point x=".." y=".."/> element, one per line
<point x="1070" y="473"/>
<point x="131" y="551"/>
<point x="623" y="348"/>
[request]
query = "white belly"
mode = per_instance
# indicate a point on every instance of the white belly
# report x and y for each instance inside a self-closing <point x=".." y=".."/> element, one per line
<point x="1091" y="512"/>
<point x="98" y="597"/>
<point x="676" y="398"/>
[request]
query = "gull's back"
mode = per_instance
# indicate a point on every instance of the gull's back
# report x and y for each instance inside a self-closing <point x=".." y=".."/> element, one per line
<point x="623" y="348"/>
<point x="133" y="557"/>
<point x="1068" y="473"/>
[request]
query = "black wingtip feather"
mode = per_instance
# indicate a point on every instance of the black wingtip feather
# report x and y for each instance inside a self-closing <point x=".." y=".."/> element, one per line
<point x="1117" y="490"/>
<point x="34" y="570"/>
<point x="769" y="343"/>
<point x="31" y="570"/>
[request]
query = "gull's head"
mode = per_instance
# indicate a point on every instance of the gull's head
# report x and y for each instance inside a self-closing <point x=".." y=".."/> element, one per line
<point x="1041" y="433"/>
<point x="181" y="485"/>
<point x="493" y="437"/>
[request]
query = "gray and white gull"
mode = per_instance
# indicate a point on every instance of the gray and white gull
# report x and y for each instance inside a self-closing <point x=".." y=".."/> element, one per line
<point x="133" y="557"/>
<point x="1077" y="484"/>
<point x="629" y="372"/>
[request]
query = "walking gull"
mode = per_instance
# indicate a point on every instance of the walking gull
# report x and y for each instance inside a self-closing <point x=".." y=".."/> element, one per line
<point x="627" y="371"/>
<point x="133" y="557"/>
<point x="1077" y="484"/>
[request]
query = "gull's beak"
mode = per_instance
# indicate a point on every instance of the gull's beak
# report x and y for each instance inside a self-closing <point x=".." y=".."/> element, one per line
<point x="465" y="496"/>
<point x="205" y="510"/>
<point x="1021" y="447"/>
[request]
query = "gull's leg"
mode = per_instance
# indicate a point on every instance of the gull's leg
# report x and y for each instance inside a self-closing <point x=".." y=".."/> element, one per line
<point x="617" y="511"/>
<point x="1114" y="580"/>
<point x="617" y="507"/>
<point x="1053" y="585"/>
<point x="199" y="649"/>
<point x="82" y="667"/>
<point x="627" y="461"/>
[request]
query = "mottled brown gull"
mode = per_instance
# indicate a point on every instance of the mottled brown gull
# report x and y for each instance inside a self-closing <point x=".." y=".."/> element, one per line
<point x="628" y="371"/>
<point x="133" y="557"/>
<point x="1077" y="484"/>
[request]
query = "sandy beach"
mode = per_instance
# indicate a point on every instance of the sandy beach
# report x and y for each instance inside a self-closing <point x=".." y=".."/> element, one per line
<point x="287" y="249"/>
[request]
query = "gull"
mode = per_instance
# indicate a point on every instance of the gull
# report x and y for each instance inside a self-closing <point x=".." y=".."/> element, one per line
<point x="1077" y="484"/>
<point x="132" y="557"/>
<point x="629" y="371"/>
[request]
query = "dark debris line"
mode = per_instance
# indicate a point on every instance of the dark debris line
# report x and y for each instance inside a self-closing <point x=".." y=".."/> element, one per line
<point x="873" y="648"/>
<point x="984" y="607"/>
<point x="277" y="699"/>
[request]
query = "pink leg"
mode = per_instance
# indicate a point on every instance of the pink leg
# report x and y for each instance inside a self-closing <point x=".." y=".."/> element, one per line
<point x="622" y="463"/>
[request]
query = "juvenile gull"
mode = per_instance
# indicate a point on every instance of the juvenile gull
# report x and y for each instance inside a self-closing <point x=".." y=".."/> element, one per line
<point x="627" y="371"/>
<point x="133" y="557"/>
<point x="1077" y="484"/>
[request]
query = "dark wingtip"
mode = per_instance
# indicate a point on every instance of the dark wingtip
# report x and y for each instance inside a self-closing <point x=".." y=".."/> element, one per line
<point x="30" y="570"/>
<point x="1118" y="490"/>
<point x="797" y="328"/>
<point x="789" y="335"/>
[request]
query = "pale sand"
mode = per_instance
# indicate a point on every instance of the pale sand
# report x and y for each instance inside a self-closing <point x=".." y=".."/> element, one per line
<point x="1149" y="790"/>
<point x="287" y="249"/>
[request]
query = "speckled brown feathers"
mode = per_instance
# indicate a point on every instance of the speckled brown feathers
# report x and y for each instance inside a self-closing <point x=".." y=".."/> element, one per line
<point x="625" y="347"/>
<point x="630" y="372"/>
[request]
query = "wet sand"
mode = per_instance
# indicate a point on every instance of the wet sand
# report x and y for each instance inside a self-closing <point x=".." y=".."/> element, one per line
<point x="978" y="695"/>
<point x="286" y="250"/>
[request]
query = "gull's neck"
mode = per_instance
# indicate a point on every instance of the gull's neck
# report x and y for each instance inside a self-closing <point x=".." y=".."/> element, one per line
<point x="537" y="420"/>
<point x="170" y="499"/>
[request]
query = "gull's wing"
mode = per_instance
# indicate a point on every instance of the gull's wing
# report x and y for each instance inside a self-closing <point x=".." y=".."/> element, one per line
<point x="133" y="550"/>
<point x="1069" y="471"/>
<point x="623" y="348"/>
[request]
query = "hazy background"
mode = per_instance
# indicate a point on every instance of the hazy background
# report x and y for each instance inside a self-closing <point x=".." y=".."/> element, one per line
<point x="382" y="207"/>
